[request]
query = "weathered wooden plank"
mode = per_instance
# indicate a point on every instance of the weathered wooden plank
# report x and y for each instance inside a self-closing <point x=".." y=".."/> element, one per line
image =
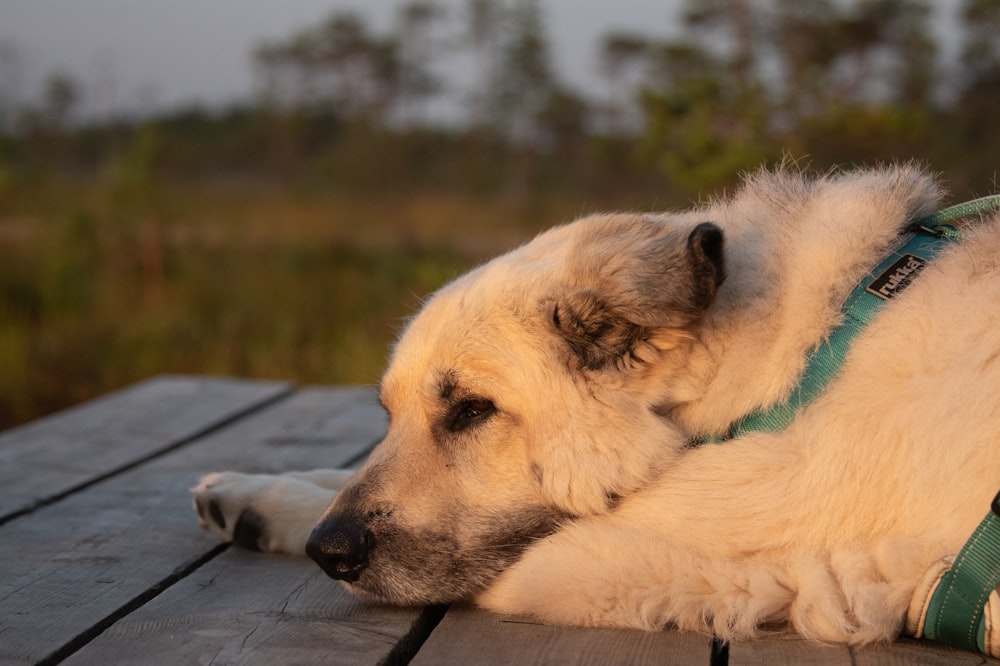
<point x="249" y="608"/>
<point x="791" y="650"/>
<point x="471" y="636"/>
<point x="50" y="457"/>
<point x="72" y="565"/>
<point x="787" y="649"/>
<point x="910" y="652"/>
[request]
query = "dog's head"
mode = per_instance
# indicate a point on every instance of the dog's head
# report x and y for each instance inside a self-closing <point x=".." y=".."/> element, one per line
<point x="531" y="391"/>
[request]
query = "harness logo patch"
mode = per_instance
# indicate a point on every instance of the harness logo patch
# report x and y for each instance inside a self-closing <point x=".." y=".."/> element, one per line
<point x="897" y="277"/>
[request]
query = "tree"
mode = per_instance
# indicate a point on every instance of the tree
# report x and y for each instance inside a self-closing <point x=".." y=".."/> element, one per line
<point x="483" y="30"/>
<point x="562" y="122"/>
<point x="417" y="49"/>
<point x="890" y="44"/>
<point x="11" y="71"/>
<point x="526" y="78"/>
<point x="978" y="103"/>
<point x="737" y="21"/>
<point x="59" y="98"/>
<point x="624" y="61"/>
<point x="706" y="111"/>
<point x="914" y="66"/>
<point x="804" y="40"/>
<point x="338" y="65"/>
<point x="981" y="53"/>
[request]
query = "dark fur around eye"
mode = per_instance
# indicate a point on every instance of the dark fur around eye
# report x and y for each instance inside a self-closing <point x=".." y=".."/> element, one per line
<point x="469" y="413"/>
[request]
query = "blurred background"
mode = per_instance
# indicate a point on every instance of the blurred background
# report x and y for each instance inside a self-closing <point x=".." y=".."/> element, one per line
<point x="269" y="189"/>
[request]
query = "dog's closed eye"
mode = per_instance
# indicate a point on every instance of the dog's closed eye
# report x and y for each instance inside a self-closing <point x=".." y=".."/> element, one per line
<point x="469" y="413"/>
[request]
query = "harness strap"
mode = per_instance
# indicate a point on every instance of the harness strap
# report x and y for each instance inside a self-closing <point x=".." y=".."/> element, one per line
<point x="928" y="236"/>
<point x="964" y="209"/>
<point x="955" y="614"/>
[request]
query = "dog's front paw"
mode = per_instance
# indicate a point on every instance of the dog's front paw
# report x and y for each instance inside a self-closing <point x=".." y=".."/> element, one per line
<point x="223" y="502"/>
<point x="273" y="513"/>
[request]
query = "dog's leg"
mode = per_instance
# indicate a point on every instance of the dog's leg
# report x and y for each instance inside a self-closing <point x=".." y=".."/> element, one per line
<point x="771" y="539"/>
<point x="601" y="574"/>
<point x="331" y="479"/>
<point x="273" y="513"/>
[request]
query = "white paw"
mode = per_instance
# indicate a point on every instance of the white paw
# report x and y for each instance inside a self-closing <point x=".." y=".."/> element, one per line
<point x="273" y="513"/>
<point x="223" y="502"/>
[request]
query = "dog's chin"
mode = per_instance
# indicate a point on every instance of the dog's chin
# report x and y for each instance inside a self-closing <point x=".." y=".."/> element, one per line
<point x="404" y="569"/>
<point x="372" y="587"/>
<point x="383" y="597"/>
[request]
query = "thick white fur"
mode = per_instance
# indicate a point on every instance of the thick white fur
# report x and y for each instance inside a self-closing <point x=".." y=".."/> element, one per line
<point x="828" y="525"/>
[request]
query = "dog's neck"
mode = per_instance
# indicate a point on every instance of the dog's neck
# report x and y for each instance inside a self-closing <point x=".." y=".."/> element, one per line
<point x="788" y="279"/>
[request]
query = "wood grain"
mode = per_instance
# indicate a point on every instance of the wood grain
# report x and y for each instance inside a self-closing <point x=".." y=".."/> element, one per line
<point x="72" y="564"/>
<point x="50" y="457"/>
<point x="472" y="636"/>
<point x="249" y="608"/>
<point x="787" y="650"/>
<point x="911" y="652"/>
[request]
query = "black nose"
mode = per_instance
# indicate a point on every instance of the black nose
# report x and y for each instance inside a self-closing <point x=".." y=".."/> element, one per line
<point x="341" y="546"/>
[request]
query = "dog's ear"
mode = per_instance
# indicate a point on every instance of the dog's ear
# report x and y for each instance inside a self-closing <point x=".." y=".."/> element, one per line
<point x="645" y="280"/>
<point x="708" y="265"/>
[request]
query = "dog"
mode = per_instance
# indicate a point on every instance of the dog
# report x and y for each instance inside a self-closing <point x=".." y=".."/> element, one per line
<point x="546" y="454"/>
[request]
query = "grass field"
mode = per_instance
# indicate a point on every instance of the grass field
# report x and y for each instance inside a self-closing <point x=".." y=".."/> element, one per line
<point x="105" y="282"/>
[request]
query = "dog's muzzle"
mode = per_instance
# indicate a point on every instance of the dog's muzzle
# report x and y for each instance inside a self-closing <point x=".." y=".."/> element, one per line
<point x="341" y="546"/>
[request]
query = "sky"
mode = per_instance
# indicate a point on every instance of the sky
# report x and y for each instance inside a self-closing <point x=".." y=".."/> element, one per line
<point x="143" y="56"/>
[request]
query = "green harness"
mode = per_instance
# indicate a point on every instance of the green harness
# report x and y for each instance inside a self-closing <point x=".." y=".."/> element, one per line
<point x="924" y="239"/>
<point x="956" y="612"/>
<point x="955" y="615"/>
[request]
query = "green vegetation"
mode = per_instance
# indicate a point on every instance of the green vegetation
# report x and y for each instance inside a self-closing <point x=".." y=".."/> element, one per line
<point x="290" y="238"/>
<point x="97" y="292"/>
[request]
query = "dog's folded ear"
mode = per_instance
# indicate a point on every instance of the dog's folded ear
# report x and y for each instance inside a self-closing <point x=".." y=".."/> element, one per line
<point x="708" y="267"/>
<point x="630" y="285"/>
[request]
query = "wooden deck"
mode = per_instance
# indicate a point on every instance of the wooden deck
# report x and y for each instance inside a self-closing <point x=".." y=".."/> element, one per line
<point x="102" y="561"/>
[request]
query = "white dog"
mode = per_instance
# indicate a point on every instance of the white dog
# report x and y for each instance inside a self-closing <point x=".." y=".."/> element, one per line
<point x="545" y="411"/>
